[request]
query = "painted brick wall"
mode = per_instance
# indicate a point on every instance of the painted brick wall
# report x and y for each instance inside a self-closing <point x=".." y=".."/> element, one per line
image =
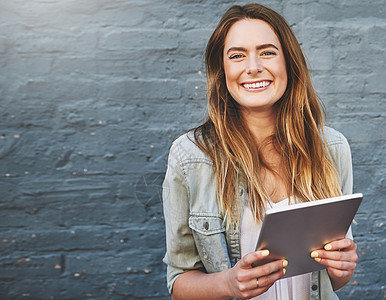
<point x="92" y="93"/>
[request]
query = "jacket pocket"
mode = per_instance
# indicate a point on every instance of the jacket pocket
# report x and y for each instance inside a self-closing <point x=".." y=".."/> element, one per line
<point x="209" y="236"/>
<point x="206" y="224"/>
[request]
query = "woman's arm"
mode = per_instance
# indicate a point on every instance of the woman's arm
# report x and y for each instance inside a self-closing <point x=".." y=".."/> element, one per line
<point x="340" y="258"/>
<point x="242" y="281"/>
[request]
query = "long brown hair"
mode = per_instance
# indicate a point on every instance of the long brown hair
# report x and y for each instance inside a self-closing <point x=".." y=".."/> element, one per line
<point x="298" y="136"/>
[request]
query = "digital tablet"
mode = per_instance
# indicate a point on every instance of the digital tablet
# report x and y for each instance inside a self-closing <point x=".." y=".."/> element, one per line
<point x="294" y="231"/>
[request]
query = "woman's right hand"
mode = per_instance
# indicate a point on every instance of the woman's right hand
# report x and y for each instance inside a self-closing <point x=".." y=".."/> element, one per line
<point x="238" y="282"/>
<point x="245" y="281"/>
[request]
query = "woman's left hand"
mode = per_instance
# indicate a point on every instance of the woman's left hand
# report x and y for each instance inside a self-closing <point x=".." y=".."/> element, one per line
<point x="340" y="258"/>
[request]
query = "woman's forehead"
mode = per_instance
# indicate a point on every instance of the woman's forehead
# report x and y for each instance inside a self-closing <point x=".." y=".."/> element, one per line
<point x="250" y="32"/>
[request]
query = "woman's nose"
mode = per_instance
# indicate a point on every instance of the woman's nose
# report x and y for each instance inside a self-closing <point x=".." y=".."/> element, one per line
<point x="254" y="66"/>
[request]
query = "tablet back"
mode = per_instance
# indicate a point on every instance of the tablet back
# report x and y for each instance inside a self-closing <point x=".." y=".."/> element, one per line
<point x="294" y="231"/>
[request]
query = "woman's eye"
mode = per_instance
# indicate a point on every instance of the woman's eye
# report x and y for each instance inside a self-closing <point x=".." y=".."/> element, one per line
<point x="268" y="53"/>
<point x="235" y="56"/>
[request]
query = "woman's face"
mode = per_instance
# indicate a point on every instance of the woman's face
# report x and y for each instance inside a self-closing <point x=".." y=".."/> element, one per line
<point x="254" y="65"/>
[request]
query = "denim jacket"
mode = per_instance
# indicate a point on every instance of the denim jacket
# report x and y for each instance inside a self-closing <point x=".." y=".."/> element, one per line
<point x="196" y="238"/>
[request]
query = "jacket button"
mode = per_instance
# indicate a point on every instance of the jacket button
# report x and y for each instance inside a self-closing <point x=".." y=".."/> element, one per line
<point x="206" y="225"/>
<point x="314" y="287"/>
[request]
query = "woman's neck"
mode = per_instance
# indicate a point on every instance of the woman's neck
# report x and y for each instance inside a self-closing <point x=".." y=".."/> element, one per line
<point x="261" y="124"/>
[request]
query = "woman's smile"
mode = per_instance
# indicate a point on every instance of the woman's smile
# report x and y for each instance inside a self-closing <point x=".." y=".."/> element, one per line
<point x="256" y="85"/>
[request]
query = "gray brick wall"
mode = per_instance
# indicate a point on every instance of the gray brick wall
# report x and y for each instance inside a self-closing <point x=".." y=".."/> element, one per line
<point x="92" y="93"/>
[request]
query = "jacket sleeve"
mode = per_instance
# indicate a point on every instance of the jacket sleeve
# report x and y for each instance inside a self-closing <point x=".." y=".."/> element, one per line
<point x="341" y="156"/>
<point x="346" y="173"/>
<point x="181" y="253"/>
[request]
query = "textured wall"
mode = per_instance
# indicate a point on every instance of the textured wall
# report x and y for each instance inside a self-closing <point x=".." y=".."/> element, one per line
<point x="92" y="93"/>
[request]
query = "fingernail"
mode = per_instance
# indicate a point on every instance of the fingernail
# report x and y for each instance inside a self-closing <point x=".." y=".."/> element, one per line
<point x="314" y="254"/>
<point x="265" y="253"/>
<point x="317" y="259"/>
<point x="284" y="270"/>
<point x="328" y="247"/>
<point x="285" y="263"/>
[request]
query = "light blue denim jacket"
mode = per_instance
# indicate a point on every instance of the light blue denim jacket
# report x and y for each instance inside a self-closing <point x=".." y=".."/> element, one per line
<point x="196" y="238"/>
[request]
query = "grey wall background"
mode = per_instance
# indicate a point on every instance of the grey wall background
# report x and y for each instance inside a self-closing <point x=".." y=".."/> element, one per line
<point x="93" y="92"/>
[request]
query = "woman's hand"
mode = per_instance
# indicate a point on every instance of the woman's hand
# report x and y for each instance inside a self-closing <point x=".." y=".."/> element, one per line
<point x="245" y="281"/>
<point x="340" y="258"/>
<point x="242" y="281"/>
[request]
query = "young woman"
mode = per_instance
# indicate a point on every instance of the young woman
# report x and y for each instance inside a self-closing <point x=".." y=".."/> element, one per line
<point x="263" y="145"/>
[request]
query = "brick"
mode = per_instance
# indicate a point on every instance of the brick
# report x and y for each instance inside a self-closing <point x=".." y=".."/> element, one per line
<point x="372" y="83"/>
<point x="28" y="66"/>
<point x="3" y="48"/>
<point x="139" y="39"/>
<point x="360" y="128"/>
<point x="71" y="287"/>
<point x="370" y="184"/>
<point x="64" y="88"/>
<point x="339" y="104"/>
<point x="23" y="267"/>
<point x="307" y="38"/>
<point x="332" y="84"/>
<point x="194" y="41"/>
<point x="132" y="263"/>
<point x="361" y="293"/>
<point x="320" y="58"/>
<point x="332" y="11"/>
<point x="127" y="14"/>
<point x="48" y="41"/>
<point x="142" y="89"/>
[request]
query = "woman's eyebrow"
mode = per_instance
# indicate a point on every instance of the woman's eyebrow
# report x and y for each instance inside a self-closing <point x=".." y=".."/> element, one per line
<point x="264" y="46"/>
<point x="260" y="47"/>
<point x="241" y="49"/>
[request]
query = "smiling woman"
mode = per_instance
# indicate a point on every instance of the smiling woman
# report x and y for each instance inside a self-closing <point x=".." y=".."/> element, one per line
<point x="263" y="144"/>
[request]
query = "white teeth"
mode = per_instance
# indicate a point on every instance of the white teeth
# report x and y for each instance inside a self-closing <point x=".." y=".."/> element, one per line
<point x="256" y="84"/>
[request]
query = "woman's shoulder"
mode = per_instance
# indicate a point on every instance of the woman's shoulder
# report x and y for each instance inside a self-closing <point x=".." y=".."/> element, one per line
<point x="334" y="137"/>
<point x="337" y="144"/>
<point x="186" y="142"/>
<point x="185" y="146"/>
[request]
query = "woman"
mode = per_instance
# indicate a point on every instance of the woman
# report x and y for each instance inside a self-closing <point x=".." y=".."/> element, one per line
<point x="263" y="145"/>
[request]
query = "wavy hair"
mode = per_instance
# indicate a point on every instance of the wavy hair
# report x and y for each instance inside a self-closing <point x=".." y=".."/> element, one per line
<point x="298" y="137"/>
